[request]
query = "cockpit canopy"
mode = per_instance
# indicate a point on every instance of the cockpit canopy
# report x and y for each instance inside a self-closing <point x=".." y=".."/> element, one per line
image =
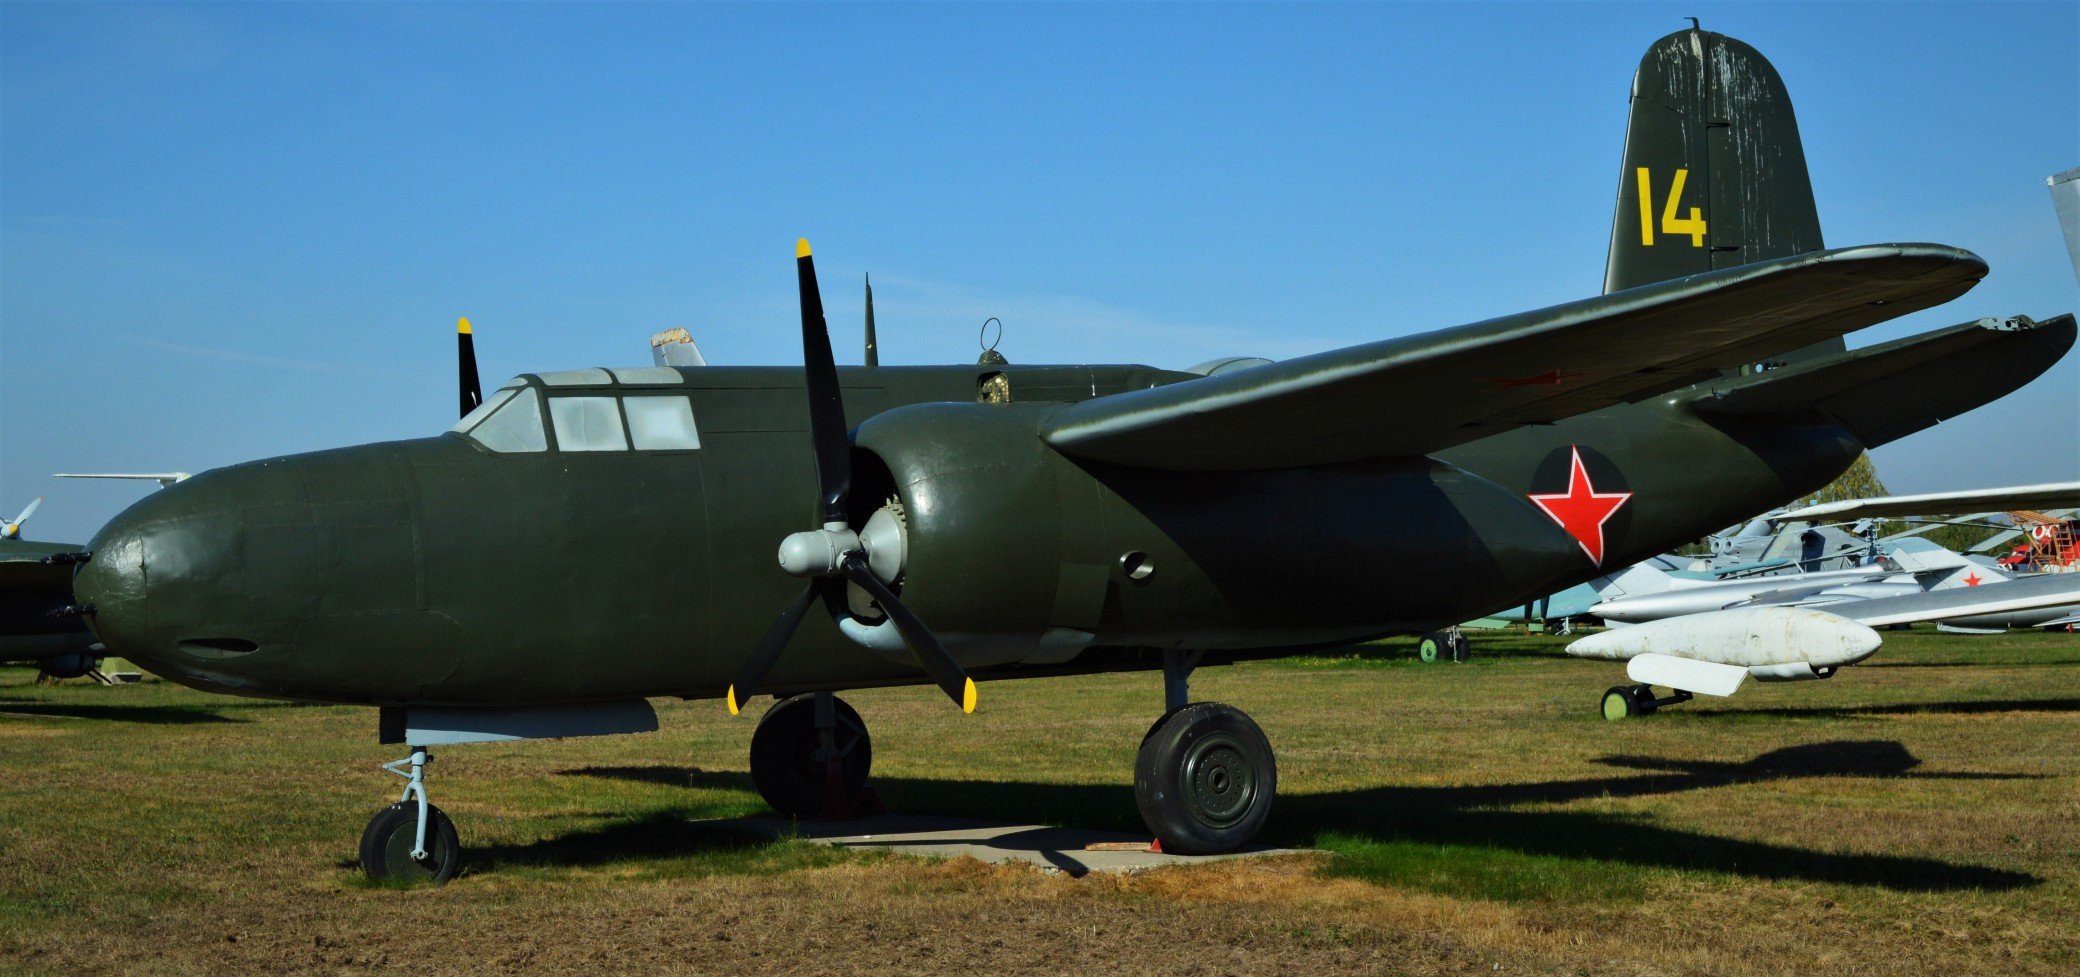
<point x="622" y="409"/>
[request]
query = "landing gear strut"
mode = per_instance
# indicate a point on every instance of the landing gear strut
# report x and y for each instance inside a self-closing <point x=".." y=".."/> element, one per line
<point x="810" y="757"/>
<point x="1205" y="776"/>
<point x="411" y="840"/>
<point x="1628" y="701"/>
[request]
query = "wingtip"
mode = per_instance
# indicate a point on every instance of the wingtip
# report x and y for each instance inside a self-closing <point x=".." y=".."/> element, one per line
<point x="801" y="247"/>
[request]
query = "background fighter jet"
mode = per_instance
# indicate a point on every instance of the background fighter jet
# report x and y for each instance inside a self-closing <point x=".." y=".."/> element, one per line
<point x="585" y="539"/>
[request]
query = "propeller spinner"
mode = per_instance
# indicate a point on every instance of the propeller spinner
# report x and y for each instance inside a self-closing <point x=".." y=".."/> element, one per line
<point x="833" y="554"/>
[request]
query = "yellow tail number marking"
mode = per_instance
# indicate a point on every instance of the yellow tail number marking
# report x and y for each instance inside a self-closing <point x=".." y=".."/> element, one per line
<point x="1693" y="225"/>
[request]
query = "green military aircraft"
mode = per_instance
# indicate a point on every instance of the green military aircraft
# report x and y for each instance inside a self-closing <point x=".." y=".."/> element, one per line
<point x="585" y="540"/>
<point x="35" y="586"/>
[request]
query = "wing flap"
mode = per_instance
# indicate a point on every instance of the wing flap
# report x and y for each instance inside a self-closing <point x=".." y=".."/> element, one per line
<point x="1424" y="393"/>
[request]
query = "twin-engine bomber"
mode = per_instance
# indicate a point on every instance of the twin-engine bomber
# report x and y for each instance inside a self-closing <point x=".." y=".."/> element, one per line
<point x="585" y="540"/>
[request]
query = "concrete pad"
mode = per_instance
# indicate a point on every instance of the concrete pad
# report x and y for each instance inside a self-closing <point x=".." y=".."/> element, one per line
<point x="1054" y="849"/>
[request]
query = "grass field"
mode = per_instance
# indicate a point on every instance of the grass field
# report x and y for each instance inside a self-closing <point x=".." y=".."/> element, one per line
<point x="1916" y="814"/>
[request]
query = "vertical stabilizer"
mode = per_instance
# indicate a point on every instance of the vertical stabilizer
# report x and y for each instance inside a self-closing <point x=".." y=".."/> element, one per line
<point x="1714" y="173"/>
<point x="2065" y="195"/>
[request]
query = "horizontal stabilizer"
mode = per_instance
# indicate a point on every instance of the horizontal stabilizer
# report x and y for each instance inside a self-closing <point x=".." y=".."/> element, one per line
<point x="1885" y="392"/>
<point x="1688" y="674"/>
<point x="1424" y="393"/>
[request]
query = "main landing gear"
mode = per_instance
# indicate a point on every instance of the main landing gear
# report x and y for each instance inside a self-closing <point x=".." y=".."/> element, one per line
<point x="810" y="757"/>
<point x="1449" y="645"/>
<point x="1628" y="701"/>
<point x="1205" y="776"/>
<point x="411" y="840"/>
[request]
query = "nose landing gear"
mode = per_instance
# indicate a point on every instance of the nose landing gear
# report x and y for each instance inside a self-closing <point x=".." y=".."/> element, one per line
<point x="411" y="840"/>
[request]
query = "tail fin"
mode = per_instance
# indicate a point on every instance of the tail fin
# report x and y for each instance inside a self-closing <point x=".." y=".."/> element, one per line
<point x="1714" y="173"/>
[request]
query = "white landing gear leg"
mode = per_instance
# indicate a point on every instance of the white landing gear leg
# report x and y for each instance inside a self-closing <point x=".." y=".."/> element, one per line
<point x="411" y="840"/>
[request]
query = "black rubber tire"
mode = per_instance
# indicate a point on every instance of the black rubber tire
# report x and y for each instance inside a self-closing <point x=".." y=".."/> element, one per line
<point x="1643" y="700"/>
<point x="1462" y="648"/>
<point x="1618" y="703"/>
<point x="1205" y="779"/>
<point x="784" y="764"/>
<point x="1432" y="646"/>
<point x="386" y="846"/>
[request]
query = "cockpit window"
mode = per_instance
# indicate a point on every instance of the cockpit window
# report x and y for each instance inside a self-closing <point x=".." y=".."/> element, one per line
<point x="515" y="423"/>
<point x="587" y="424"/>
<point x="661" y="423"/>
<point x="476" y="417"/>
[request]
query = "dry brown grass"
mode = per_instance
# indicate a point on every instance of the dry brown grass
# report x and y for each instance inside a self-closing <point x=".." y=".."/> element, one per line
<point x="1916" y="815"/>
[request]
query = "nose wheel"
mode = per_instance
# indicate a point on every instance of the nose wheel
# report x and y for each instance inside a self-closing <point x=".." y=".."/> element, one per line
<point x="411" y="840"/>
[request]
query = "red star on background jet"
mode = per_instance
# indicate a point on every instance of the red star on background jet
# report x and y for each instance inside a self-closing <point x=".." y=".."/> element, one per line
<point x="1974" y="580"/>
<point x="1581" y="510"/>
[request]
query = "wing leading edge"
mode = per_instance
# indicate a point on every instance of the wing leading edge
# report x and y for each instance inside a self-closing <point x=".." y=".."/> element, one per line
<point x="1420" y="394"/>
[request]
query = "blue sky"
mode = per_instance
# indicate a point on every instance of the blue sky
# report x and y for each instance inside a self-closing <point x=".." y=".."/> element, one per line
<point x="233" y="231"/>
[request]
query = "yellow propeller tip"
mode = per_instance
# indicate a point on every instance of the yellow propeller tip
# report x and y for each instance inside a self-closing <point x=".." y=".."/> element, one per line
<point x="732" y="700"/>
<point x="462" y="325"/>
<point x="801" y="247"/>
<point x="968" y="697"/>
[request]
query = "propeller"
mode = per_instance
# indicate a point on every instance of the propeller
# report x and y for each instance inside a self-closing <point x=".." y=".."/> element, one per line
<point x="466" y="367"/>
<point x="873" y="347"/>
<point x="13" y="528"/>
<point x="835" y="553"/>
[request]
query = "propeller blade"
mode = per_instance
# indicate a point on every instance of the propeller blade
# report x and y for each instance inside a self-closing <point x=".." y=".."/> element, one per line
<point x="770" y="645"/>
<point x="466" y="366"/>
<point x="930" y="653"/>
<point x="826" y="405"/>
<point x="873" y="347"/>
<point x="14" y="526"/>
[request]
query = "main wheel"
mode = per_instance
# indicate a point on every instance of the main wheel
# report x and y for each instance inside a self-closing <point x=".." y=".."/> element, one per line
<point x="1204" y="780"/>
<point x="787" y="760"/>
<point x="1431" y="646"/>
<point x="386" y="845"/>
<point x="1462" y="649"/>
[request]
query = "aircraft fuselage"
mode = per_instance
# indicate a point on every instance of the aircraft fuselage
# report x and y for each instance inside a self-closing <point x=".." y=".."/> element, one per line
<point x="438" y="571"/>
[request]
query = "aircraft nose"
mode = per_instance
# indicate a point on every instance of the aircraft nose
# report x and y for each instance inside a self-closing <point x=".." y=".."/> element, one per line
<point x="295" y="577"/>
<point x="162" y="569"/>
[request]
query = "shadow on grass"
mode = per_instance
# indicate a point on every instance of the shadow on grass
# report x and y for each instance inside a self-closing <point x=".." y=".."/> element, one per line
<point x="157" y="715"/>
<point x="678" y="843"/>
<point x="1471" y="839"/>
<point x="1967" y="708"/>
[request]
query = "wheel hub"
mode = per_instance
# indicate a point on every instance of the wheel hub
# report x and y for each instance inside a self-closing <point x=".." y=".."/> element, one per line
<point x="1218" y="781"/>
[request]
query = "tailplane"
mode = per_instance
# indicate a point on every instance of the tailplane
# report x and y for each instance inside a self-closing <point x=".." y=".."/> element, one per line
<point x="1714" y="173"/>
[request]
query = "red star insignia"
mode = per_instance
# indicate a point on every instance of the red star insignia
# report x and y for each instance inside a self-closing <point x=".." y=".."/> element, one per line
<point x="1548" y="378"/>
<point x="1974" y="580"/>
<point x="1581" y="510"/>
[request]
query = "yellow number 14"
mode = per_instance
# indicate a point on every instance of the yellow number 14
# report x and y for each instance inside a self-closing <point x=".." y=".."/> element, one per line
<point x="1692" y="225"/>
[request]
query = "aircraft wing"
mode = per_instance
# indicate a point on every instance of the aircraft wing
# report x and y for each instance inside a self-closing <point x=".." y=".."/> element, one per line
<point x="1423" y="393"/>
<point x="2028" y="593"/>
<point x="2050" y="495"/>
